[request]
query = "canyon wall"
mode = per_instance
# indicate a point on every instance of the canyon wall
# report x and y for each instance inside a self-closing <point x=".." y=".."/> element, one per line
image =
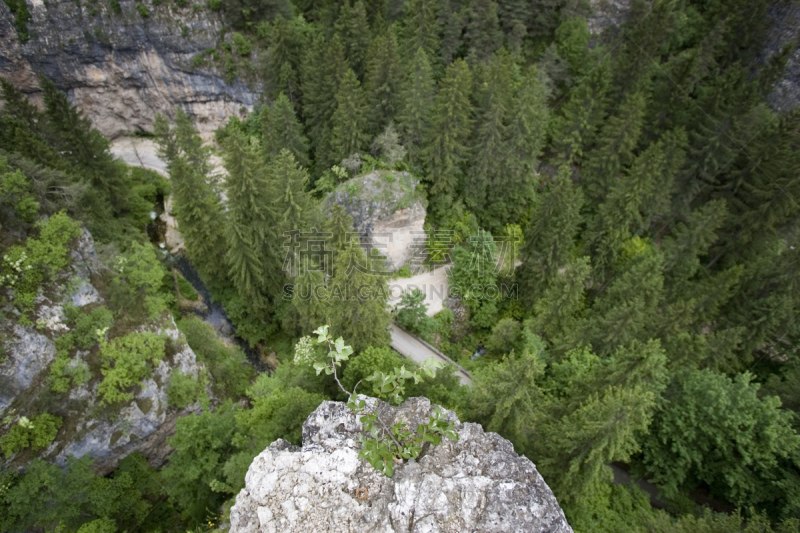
<point x="122" y="68"/>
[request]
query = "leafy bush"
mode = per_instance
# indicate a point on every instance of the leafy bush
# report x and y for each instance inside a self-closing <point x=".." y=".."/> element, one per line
<point x="404" y="272"/>
<point x="125" y="363"/>
<point x="27" y="267"/>
<point x="215" y="5"/>
<point x="36" y="434"/>
<point x="184" y="389"/>
<point x="115" y="7"/>
<point x="143" y="274"/>
<point x="86" y="329"/>
<point x="242" y="44"/>
<point x="142" y="9"/>
<point x="230" y="371"/>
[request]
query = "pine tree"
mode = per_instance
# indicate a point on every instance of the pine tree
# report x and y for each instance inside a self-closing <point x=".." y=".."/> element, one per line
<point x="556" y="310"/>
<point x="451" y="19"/>
<point x="280" y="130"/>
<point x="417" y="94"/>
<point x="550" y="237"/>
<point x="489" y="152"/>
<point x="507" y="396"/>
<point x="446" y="142"/>
<point x="349" y="121"/>
<point x="324" y="66"/>
<point x="253" y="256"/>
<point x="627" y="309"/>
<point x="617" y="141"/>
<point x="511" y="196"/>
<point x="382" y="81"/>
<point x="353" y="27"/>
<point x="295" y="208"/>
<point x="286" y="40"/>
<point x="195" y="201"/>
<point x="639" y="196"/>
<point x="582" y="114"/>
<point x="420" y="28"/>
<point x="483" y="33"/>
<point x="359" y="300"/>
<point x="71" y="133"/>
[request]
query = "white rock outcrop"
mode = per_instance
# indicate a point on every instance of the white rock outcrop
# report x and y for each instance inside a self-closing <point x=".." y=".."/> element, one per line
<point x="388" y="213"/>
<point x="477" y="484"/>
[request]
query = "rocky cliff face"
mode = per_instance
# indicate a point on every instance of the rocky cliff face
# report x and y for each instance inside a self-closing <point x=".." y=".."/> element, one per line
<point x="123" y="68"/>
<point x="388" y="212"/>
<point x="477" y="484"/>
<point x="106" y="434"/>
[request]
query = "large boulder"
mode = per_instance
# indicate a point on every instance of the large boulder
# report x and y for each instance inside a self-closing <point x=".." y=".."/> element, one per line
<point x="388" y="211"/>
<point x="475" y="484"/>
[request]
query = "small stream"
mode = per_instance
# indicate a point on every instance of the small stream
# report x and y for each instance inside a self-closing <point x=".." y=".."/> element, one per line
<point x="216" y="316"/>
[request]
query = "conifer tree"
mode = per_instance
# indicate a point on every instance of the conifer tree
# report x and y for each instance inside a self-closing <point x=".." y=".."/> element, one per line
<point x="417" y="94"/>
<point x="512" y="194"/>
<point x="253" y="259"/>
<point x="556" y="310"/>
<point x="359" y="299"/>
<point x="617" y="141"/>
<point x="638" y="196"/>
<point x="286" y="40"/>
<point x="452" y="17"/>
<point x="195" y="200"/>
<point x="627" y="309"/>
<point x="280" y="130"/>
<point x="582" y="114"/>
<point x="353" y="27"/>
<point x="420" y="28"/>
<point x="550" y="237"/>
<point x="446" y="143"/>
<point x="349" y="121"/>
<point x="507" y="396"/>
<point x="295" y="208"/>
<point x="323" y="68"/>
<point x="489" y="151"/>
<point x="382" y="81"/>
<point x="483" y="33"/>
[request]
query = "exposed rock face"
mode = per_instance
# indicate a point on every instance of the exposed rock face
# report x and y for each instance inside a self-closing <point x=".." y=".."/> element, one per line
<point x="122" y="68"/>
<point x="387" y="212"/>
<point x="107" y="435"/>
<point x="476" y="484"/>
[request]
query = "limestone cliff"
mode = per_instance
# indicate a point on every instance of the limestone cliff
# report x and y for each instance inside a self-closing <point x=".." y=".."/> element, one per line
<point x="105" y="433"/>
<point x="477" y="484"/>
<point x="121" y="68"/>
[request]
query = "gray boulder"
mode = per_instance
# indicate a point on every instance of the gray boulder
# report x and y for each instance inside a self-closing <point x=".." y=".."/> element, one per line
<point x="475" y="484"/>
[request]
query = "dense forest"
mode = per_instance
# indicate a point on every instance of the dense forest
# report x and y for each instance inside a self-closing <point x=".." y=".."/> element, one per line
<point x="651" y="194"/>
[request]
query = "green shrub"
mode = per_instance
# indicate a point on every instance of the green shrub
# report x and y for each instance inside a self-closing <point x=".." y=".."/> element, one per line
<point x="187" y="291"/>
<point x="183" y="389"/>
<point x="143" y="11"/>
<point x="242" y="44"/>
<point x="115" y="7"/>
<point x="404" y="272"/>
<point x="125" y="363"/>
<point x="227" y="365"/>
<point x="36" y="434"/>
<point x="144" y="275"/>
<point x="215" y="5"/>
<point x="25" y="268"/>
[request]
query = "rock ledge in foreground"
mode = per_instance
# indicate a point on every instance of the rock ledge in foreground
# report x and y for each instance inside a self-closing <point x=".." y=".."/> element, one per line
<point x="476" y="484"/>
